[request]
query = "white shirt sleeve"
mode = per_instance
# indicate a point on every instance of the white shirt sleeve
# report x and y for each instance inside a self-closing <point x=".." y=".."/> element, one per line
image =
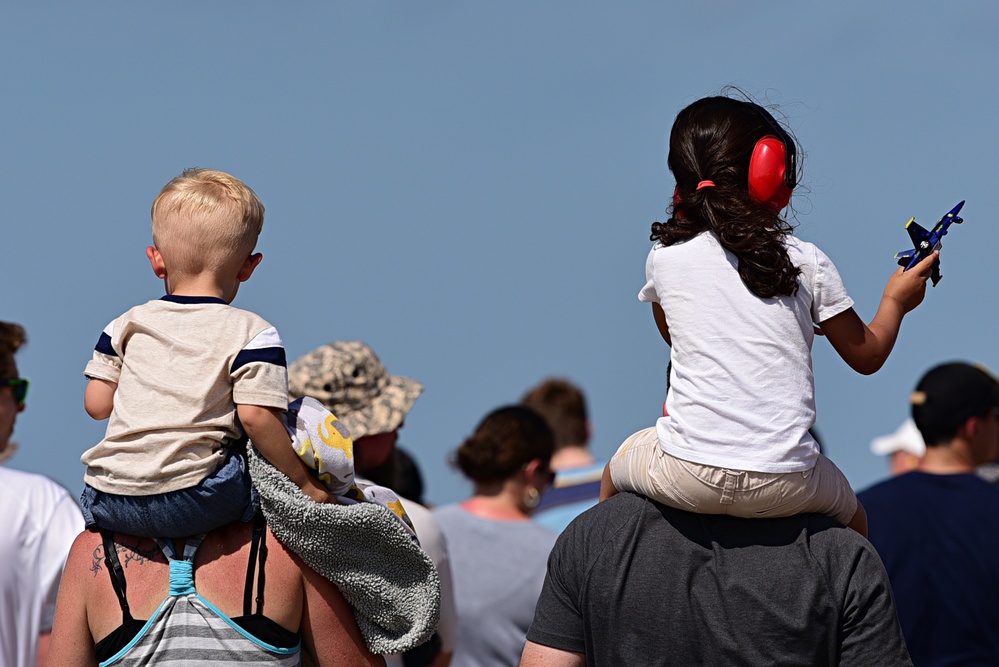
<point x="105" y="363"/>
<point x="829" y="297"/>
<point x="648" y="292"/>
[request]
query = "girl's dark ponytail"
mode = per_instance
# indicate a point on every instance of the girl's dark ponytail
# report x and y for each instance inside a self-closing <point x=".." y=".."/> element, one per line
<point x="712" y="140"/>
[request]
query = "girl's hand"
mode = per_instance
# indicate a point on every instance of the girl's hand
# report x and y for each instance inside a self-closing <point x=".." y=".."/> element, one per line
<point x="908" y="288"/>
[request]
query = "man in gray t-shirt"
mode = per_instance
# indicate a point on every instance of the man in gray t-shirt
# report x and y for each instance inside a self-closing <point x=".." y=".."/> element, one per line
<point x="632" y="582"/>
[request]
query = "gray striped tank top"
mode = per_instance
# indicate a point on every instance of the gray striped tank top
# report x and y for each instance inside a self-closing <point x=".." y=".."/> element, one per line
<point x="188" y="631"/>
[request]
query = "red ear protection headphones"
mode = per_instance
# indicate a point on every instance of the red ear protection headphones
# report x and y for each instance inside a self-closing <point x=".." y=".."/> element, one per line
<point x="773" y="169"/>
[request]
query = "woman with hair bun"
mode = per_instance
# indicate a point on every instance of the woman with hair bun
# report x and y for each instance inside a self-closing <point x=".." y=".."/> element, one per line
<point x="498" y="554"/>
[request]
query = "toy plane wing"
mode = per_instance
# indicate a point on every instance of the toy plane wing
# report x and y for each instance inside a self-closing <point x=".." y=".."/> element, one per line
<point x="926" y="242"/>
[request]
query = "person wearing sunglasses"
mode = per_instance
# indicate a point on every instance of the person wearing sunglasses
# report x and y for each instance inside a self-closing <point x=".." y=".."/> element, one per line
<point x="38" y="522"/>
<point x="14" y="393"/>
<point x="498" y="553"/>
<point x="19" y="389"/>
<point x="13" y="389"/>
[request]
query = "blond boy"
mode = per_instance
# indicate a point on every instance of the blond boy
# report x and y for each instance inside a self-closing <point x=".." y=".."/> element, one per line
<point x="184" y="378"/>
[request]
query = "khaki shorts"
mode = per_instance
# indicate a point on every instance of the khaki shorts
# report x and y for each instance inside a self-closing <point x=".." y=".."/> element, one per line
<point x="642" y="467"/>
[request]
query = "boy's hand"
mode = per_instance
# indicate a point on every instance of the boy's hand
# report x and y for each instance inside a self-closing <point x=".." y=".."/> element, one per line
<point x="908" y="288"/>
<point x="317" y="492"/>
<point x="265" y="427"/>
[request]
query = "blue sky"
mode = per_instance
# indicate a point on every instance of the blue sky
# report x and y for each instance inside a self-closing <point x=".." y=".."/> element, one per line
<point x="468" y="187"/>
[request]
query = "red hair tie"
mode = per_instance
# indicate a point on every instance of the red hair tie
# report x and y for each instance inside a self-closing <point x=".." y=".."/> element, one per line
<point x="705" y="184"/>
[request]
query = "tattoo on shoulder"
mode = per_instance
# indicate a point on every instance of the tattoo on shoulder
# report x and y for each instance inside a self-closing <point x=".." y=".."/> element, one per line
<point x="132" y="553"/>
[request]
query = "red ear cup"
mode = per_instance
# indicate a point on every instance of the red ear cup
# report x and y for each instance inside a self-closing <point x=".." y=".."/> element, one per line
<point x="766" y="173"/>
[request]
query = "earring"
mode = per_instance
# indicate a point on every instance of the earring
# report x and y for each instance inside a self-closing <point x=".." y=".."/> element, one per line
<point x="532" y="497"/>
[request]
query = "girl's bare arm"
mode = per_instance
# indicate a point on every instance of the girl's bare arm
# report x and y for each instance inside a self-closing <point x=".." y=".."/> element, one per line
<point x="865" y="348"/>
<point x="661" y="324"/>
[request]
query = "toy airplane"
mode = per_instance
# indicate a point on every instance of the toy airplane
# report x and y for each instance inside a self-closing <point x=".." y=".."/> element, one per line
<point x="926" y="242"/>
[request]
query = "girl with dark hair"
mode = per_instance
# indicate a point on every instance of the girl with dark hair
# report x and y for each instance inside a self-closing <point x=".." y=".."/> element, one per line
<point x="739" y="300"/>
<point x="498" y="555"/>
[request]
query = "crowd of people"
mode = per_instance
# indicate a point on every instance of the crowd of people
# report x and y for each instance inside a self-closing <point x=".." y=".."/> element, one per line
<point x="241" y="508"/>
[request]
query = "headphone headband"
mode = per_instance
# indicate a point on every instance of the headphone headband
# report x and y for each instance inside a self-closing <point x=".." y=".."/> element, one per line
<point x="773" y="171"/>
<point x="790" y="153"/>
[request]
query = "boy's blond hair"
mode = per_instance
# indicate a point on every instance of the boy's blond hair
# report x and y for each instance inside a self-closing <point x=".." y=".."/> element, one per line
<point x="206" y="220"/>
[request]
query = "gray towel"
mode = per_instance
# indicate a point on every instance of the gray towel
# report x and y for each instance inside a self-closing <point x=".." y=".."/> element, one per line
<point x="383" y="574"/>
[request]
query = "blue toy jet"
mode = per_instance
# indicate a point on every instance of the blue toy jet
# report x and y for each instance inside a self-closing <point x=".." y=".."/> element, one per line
<point x="926" y="242"/>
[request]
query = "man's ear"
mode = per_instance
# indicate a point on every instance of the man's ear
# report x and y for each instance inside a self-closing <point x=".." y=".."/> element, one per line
<point x="248" y="266"/>
<point x="156" y="261"/>
<point x="971" y="427"/>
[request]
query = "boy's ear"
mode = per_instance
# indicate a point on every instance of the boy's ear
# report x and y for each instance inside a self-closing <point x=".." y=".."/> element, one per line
<point x="248" y="266"/>
<point x="156" y="261"/>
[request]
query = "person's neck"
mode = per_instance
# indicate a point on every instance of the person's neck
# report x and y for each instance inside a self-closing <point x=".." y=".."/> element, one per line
<point x="572" y="456"/>
<point x="202" y="285"/>
<point x="498" y="506"/>
<point x="950" y="459"/>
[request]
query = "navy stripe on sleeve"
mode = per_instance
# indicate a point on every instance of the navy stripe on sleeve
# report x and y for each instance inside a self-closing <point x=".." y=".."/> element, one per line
<point x="104" y="346"/>
<point x="266" y="355"/>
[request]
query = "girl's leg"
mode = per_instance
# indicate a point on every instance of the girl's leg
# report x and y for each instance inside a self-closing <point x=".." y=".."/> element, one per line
<point x="824" y="490"/>
<point x="628" y="469"/>
<point x="641" y="467"/>
<point x="606" y="485"/>
<point x="858" y="522"/>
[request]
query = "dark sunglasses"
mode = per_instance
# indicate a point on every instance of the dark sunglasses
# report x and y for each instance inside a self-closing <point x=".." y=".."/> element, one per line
<point x="19" y="386"/>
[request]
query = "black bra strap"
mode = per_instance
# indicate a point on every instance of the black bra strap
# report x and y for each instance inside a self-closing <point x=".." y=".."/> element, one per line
<point x="257" y="545"/>
<point x="263" y="560"/>
<point x="116" y="573"/>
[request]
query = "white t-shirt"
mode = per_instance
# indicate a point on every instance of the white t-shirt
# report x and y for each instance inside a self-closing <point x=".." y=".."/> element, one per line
<point x="741" y="392"/>
<point x="38" y="523"/>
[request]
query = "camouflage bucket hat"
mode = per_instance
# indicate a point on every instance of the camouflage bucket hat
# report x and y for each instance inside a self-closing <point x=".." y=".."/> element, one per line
<point x="350" y="380"/>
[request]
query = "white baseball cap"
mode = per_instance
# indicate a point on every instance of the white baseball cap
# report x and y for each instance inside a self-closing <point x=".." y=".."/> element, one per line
<point x="906" y="438"/>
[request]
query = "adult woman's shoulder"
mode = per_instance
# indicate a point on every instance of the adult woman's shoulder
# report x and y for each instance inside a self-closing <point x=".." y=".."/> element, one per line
<point x="291" y="595"/>
<point x="72" y="643"/>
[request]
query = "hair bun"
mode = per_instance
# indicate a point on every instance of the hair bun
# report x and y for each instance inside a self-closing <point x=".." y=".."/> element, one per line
<point x="504" y="441"/>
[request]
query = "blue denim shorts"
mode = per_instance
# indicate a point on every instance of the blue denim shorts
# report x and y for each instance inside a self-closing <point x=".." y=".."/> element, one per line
<point x="225" y="496"/>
